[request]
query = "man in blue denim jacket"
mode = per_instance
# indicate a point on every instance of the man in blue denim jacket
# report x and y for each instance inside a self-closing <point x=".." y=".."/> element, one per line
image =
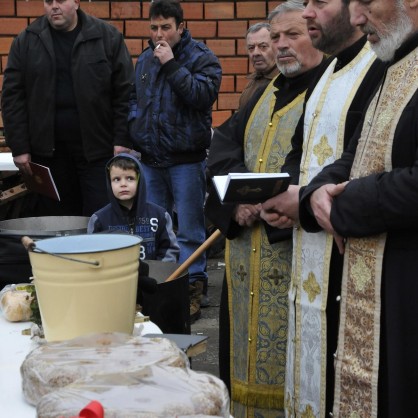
<point x="177" y="81"/>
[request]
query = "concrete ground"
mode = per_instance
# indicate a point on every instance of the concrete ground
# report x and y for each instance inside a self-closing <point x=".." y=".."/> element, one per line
<point x="208" y="324"/>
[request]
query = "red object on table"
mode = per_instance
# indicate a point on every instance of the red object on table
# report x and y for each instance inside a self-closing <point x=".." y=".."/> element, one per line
<point x="93" y="410"/>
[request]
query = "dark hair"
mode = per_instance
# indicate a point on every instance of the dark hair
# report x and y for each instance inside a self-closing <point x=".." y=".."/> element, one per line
<point x="166" y="9"/>
<point x="124" y="164"/>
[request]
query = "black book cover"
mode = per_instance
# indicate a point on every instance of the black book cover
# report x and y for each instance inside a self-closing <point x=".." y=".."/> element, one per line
<point x="250" y="187"/>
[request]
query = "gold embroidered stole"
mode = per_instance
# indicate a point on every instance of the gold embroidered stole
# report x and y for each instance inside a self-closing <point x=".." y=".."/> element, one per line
<point x="258" y="275"/>
<point x="357" y="363"/>
<point x="325" y="119"/>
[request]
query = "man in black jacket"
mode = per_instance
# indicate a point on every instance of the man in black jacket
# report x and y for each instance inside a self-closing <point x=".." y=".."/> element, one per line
<point x="65" y="103"/>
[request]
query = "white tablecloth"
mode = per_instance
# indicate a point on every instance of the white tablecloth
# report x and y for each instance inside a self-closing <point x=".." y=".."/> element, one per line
<point x="13" y="349"/>
<point x="6" y="162"/>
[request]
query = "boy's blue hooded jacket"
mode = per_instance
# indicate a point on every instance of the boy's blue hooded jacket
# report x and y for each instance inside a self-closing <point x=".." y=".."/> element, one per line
<point x="147" y="220"/>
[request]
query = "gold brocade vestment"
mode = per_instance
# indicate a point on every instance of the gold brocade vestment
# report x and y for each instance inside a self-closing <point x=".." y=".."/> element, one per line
<point x="258" y="276"/>
<point x="357" y="365"/>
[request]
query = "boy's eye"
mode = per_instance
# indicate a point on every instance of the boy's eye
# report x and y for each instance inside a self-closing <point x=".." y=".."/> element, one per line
<point x="131" y="178"/>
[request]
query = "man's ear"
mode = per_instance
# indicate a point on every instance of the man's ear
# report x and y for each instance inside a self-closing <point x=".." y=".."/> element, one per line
<point x="181" y="27"/>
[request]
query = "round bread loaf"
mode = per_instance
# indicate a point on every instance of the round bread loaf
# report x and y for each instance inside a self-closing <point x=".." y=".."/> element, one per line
<point x="55" y="365"/>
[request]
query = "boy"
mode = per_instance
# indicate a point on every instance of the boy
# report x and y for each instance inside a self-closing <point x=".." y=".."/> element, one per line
<point x="129" y="211"/>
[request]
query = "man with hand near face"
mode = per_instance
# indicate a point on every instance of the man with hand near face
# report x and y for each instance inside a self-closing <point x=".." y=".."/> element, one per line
<point x="261" y="56"/>
<point x="177" y="81"/>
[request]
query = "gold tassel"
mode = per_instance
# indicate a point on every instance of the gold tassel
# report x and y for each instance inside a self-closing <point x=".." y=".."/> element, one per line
<point x="258" y="396"/>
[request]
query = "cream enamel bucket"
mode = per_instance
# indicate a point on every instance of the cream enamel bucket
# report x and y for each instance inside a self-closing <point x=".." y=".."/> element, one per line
<point x="86" y="283"/>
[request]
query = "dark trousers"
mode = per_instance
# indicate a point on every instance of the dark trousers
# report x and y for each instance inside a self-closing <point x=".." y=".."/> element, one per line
<point x="81" y="184"/>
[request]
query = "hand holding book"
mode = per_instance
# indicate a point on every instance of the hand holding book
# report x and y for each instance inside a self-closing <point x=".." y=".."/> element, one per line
<point x="41" y="181"/>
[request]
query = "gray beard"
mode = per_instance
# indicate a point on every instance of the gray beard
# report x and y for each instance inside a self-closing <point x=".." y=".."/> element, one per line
<point x="290" y="69"/>
<point x="396" y="33"/>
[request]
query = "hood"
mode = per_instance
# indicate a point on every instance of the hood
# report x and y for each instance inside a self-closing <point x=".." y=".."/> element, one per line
<point x="141" y="192"/>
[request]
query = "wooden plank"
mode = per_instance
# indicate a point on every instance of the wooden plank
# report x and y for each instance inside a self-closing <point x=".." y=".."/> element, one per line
<point x="13" y="193"/>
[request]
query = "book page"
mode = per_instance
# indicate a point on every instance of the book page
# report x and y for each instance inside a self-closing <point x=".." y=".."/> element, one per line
<point x="221" y="184"/>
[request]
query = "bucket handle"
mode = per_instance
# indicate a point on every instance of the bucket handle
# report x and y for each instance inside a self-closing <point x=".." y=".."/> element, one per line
<point x="30" y="245"/>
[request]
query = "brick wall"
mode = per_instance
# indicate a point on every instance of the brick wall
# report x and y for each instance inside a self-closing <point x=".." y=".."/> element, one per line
<point x="220" y="24"/>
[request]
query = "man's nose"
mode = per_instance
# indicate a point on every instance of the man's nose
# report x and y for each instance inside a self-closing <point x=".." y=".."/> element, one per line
<point x="308" y="12"/>
<point x="357" y="13"/>
<point x="282" y="43"/>
<point x="159" y="33"/>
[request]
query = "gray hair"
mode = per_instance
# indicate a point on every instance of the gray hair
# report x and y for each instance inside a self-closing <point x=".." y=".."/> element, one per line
<point x="287" y="6"/>
<point x="257" y="27"/>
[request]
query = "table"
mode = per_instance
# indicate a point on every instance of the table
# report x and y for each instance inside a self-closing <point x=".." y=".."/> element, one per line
<point x="6" y="162"/>
<point x="13" y="349"/>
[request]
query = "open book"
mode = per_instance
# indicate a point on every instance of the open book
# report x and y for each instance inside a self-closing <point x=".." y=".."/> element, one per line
<point x="41" y="181"/>
<point x="250" y="187"/>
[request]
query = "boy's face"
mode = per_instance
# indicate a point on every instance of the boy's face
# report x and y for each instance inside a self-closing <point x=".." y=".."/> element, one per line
<point x="124" y="184"/>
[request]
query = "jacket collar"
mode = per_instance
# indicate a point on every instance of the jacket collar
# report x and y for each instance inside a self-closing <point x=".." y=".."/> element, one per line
<point x="88" y="29"/>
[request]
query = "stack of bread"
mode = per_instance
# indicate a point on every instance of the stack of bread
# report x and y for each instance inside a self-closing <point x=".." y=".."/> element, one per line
<point x="130" y="376"/>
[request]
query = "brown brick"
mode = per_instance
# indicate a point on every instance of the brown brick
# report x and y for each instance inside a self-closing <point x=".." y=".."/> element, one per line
<point x="219" y="10"/>
<point x="202" y="29"/>
<point x="251" y="9"/>
<point x="118" y="24"/>
<point x="125" y="10"/>
<point x="221" y="47"/>
<point x="100" y="9"/>
<point x="145" y="9"/>
<point x="241" y="82"/>
<point x="219" y="117"/>
<point x="137" y="28"/>
<point x="30" y="8"/>
<point x="242" y="46"/>
<point x="12" y="26"/>
<point x="228" y="84"/>
<point x="134" y="46"/>
<point x="192" y="10"/>
<point x="234" y="65"/>
<point x="228" y="101"/>
<point x="232" y="29"/>
<point x="5" y="45"/>
<point x="7" y="7"/>
<point x="273" y="4"/>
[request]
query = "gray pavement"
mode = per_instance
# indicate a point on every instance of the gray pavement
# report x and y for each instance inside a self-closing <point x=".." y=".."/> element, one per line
<point x="208" y="324"/>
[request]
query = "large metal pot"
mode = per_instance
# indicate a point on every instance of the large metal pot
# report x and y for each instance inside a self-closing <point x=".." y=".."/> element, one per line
<point x="14" y="259"/>
<point x="169" y="306"/>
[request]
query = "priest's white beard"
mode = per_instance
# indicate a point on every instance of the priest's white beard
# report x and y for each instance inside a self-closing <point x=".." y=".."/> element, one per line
<point x="396" y="32"/>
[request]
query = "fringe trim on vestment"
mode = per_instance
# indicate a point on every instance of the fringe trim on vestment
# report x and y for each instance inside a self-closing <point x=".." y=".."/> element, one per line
<point x="258" y="396"/>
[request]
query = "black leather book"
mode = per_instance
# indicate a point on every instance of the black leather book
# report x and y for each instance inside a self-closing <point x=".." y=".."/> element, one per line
<point x="250" y="187"/>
